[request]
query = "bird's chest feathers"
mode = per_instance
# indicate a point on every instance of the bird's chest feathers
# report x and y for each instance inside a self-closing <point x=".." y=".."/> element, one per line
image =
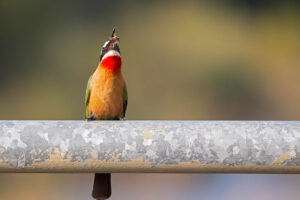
<point x="106" y="98"/>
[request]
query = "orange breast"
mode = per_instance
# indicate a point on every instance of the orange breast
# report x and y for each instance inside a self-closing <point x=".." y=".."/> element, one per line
<point x="106" y="97"/>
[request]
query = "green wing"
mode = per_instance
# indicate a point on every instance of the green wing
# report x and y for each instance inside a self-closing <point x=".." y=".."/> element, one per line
<point x="87" y="98"/>
<point x="125" y="100"/>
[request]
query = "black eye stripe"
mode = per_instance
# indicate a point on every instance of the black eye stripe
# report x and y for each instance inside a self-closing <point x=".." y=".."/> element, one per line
<point x="109" y="46"/>
<point x="104" y="50"/>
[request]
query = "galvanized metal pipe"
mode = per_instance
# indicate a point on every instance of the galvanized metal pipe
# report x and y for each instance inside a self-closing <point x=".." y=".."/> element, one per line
<point x="150" y="146"/>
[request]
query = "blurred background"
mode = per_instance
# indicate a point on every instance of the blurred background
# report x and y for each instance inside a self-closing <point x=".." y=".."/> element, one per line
<point x="200" y="60"/>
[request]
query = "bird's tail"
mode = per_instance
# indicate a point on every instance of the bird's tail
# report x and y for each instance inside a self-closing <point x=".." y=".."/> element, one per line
<point x="102" y="186"/>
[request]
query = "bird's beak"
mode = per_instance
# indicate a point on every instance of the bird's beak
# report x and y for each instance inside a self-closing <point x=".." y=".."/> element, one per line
<point x="113" y="37"/>
<point x="113" y="32"/>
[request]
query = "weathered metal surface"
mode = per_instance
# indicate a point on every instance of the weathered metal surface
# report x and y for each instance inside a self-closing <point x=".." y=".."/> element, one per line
<point x="150" y="146"/>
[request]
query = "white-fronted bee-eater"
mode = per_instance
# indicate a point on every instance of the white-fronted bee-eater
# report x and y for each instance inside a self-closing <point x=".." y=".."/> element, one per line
<point x="106" y="99"/>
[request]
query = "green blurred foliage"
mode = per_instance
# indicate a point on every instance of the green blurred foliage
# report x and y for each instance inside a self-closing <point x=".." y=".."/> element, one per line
<point x="182" y="60"/>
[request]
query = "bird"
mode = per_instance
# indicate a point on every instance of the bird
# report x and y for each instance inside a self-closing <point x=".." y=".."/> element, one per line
<point x="106" y="99"/>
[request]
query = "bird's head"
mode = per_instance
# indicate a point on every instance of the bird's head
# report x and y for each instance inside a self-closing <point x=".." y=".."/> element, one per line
<point x="110" y="57"/>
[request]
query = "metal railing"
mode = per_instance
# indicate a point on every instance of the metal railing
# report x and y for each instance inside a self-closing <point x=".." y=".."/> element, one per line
<point x="150" y="146"/>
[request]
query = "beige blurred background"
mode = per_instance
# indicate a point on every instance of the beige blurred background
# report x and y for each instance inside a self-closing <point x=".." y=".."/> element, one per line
<point x="200" y="60"/>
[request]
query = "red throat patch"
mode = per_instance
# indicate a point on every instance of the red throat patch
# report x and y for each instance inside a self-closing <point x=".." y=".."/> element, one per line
<point x="112" y="63"/>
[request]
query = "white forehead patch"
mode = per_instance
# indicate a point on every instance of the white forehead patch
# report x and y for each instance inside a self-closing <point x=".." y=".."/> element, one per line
<point x="105" y="43"/>
<point x="111" y="53"/>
